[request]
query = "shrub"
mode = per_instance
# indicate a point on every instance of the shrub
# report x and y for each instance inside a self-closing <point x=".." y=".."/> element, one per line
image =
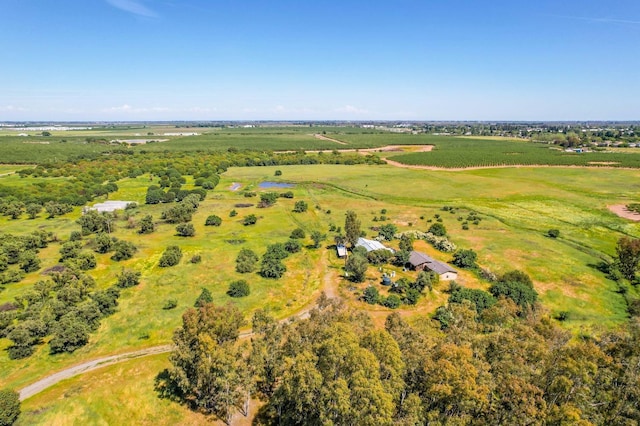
<point x="123" y="250"/>
<point x="292" y="246"/>
<point x="233" y="213"/>
<point x="371" y="295"/>
<point x="250" y="220"/>
<point x="238" y="288"/>
<point x="213" y="220"/>
<point x="170" y="304"/>
<point x="171" y="257"/>
<point x="287" y="194"/>
<point x="297" y="234"/>
<point x="186" y="230"/>
<point x="128" y="279"/>
<point x="465" y="259"/>
<point x="392" y="301"/>
<point x="246" y="261"/>
<point x="387" y="231"/>
<point x="480" y="298"/>
<point x="553" y="233"/>
<point x="75" y="236"/>
<point x="278" y="173"/>
<point x="196" y="258"/>
<point x="146" y="225"/>
<point x="300" y="207"/>
<point x="268" y="199"/>
<point x="204" y="298"/>
<point x="438" y="230"/>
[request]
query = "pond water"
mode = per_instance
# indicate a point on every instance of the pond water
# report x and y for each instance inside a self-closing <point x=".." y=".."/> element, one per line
<point x="275" y="185"/>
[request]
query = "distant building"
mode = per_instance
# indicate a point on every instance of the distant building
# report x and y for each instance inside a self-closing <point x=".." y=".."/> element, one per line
<point x="108" y="206"/>
<point x="342" y="251"/>
<point x="420" y="262"/>
<point x="182" y="134"/>
<point x="371" y="245"/>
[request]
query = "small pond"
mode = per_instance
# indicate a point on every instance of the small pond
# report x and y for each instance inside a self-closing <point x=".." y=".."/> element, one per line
<point x="264" y="185"/>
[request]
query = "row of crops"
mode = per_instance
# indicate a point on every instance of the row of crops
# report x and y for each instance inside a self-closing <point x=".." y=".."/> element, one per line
<point x="461" y="153"/>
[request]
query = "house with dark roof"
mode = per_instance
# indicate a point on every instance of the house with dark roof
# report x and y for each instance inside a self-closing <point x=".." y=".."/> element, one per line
<point x="420" y="262"/>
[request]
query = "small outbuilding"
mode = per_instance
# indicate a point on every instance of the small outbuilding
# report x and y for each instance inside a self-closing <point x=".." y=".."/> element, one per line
<point x="342" y="251"/>
<point x="371" y="245"/>
<point x="108" y="206"/>
<point x="420" y="262"/>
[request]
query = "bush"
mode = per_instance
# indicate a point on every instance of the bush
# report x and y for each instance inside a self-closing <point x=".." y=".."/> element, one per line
<point x="250" y="220"/>
<point x="171" y="257"/>
<point x="170" y="304"/>
<point x="128" y="279"/>
<point x="356" y="267"/>
<point x="465" y="259"/>
<point x="233" y="213"/>
<point x="292" y="246"/>
<point x="238" y="288"/>
<point x="480" y="298"/>
<point x="438" y="230"/>
<point x="300" y="207"/>
<point x="297" y="234"/>
<point x="75" y="236"/>
<point x="196" y="258"/>
<point x="146" y="225"/>
<point x="246" y="261"/>
<point x="186" y="230"/>
<point x="123" y="250"/>
<point x="553" y="233"/>
<point x="213" y="220"/>
<point x="371" y="295"/>
<point x="204" y="298"/>
<point x="268" y="199"/>
<point x="387" y="231"/>
<point x="278" y="173"/>
<point x="393" y="301"/>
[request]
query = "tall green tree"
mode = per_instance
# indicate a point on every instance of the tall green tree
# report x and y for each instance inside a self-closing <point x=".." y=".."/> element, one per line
<point x="628" y="256"/>
<point x="352" y="227"/>
<point x="9" y="407"/>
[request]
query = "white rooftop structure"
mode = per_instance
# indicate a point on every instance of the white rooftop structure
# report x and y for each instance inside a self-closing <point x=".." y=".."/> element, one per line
<point x="109" y="206"/>
<point x="371" y="245"/>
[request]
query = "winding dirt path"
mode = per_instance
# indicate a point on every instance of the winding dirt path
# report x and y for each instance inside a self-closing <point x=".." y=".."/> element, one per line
<point x="85" y="367"/>
<point x="329" y="287"/>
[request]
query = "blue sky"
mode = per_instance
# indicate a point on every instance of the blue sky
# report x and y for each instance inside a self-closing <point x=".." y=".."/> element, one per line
<point x="345" y="60"/>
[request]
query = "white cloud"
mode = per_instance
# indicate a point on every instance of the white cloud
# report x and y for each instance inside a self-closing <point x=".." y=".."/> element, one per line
<point x="133" y="6"/>
<point x="350" y="109"/>
<point x="12" y="108"/>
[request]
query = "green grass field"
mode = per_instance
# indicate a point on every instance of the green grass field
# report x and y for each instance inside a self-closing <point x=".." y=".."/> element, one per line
<point x="518" y="206"/>
<point x="450" y="152"/>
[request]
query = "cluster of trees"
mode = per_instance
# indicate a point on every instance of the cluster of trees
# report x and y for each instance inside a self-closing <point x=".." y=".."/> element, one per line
<point x="502" y="366"/>
<point x="402" y="292"/>
<point x="105" y="243"/>
<point x="66" y="307"/>
<point x="91" y="173"/>
<point x="19" y="254"/>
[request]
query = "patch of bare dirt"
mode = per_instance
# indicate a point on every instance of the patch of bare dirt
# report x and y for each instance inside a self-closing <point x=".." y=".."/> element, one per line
<point x="622" y="211"/>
